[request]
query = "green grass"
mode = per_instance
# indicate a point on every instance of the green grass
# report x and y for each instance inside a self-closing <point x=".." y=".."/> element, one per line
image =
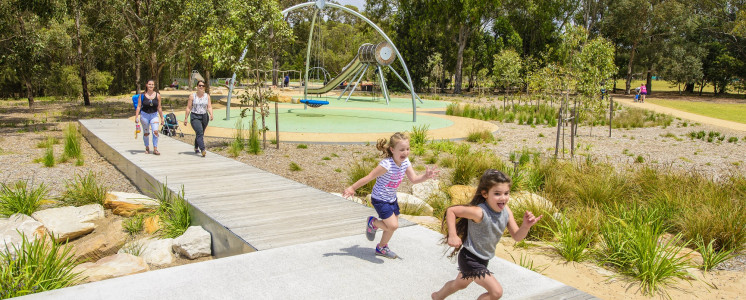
<point x="134" y="225"/>
<point x="360" y="169"/>
<point x="419" y="135"/>
<point x="295" y="167"/>
<point x="40" y="265"/>
<point x="21" y="198"/>
<point x="735" y="112"/>
<point x="47" y="142"/>
<point x="48" y="158"/>
<point x="302" y="146"/>
<point x="572" y="243"/>
<point x="84" y="190"/>
<point x="72" y="142"/>
<point x="710" y="256"/>
<point x="659" y="86"/>
<point x="484" y="135"/>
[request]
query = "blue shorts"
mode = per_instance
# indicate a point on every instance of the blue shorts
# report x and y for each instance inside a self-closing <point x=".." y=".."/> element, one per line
<point x="385" y="209"/>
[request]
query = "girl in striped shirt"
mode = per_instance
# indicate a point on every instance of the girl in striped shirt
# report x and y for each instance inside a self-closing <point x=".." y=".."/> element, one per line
<point x="388" y="175"/>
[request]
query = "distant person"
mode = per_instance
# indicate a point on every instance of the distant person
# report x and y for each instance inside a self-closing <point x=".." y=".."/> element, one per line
<point x="147" y="112"/>
<point x="388" y="175"/>
<point x="197" y="110"/>
<point x="286" y="82"/>
<point x="175" y="84"/>
<point x="643" y="92"/>
<point x="474" y="231"/>
<point x="637" y="94"/>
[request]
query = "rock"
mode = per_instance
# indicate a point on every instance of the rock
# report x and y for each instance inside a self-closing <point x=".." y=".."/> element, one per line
<point x="194" y="243"/>
<point x="129" y="204"/>
<point x="112" y="266"/>
<point x="352" y="198"/>
<point x="519" y="198"/>
<point x="154" y="251"/>
<point x="461" y="194"/>
<point x="410" y="200"/>
<point x="102" y="242"/>
<point x="10" y="228"/>
<point x="427" y="189"/>
<point x="67" y="223"/>
<point x="152" y="224"/>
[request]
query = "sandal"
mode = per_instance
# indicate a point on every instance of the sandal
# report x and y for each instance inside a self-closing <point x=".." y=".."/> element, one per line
<point x="147" y="150"/>
<point x="156" y="152"/>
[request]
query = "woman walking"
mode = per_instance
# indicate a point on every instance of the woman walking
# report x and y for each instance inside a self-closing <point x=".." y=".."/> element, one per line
<point x="197" y="109"/>
<point x="148" y="111"/>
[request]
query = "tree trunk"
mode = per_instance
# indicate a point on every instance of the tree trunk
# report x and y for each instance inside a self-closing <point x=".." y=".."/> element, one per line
<point x="463" y="33"/>
<point x="649" y="81"/>
<point x="628" y="82"/>
<point x="138" y="67"/>
<point x="155" y="70"/>
<point x="81" y="60"/>
<point x="29" y="92"/>
<point x="689" y="88"/>
<point x="207" y="80"/>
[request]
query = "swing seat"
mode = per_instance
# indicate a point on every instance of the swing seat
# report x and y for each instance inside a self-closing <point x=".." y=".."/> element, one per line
<point x="314" y="103"/>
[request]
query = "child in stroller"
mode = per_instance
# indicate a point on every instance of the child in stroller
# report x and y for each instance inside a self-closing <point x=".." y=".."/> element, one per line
<point x="637" y="94"/>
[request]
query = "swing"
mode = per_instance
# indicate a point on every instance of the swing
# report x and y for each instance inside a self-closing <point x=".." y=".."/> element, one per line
<point x="314" y="103"/>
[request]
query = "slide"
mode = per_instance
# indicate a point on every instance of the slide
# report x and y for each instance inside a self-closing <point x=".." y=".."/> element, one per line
<point x="350" y="70"/>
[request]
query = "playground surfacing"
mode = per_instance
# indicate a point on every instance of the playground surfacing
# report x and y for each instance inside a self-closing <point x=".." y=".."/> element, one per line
<point x="359" y="120"/>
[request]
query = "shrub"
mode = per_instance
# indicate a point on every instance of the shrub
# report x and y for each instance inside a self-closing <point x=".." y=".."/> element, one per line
<point x="175" y="215"/>
<point x="20" y="198"/>
<point x="48" y="158"/>
<point x="733" y="139"/>
<point x="134" y="225"/>
<point x="358" y="170"/>
<point x="302" y="146"/>
<point x="480" y="136"/>
<point x="294" y="167"/>
<point x="36" y="266"/>
<point x="711" y="257"/>
<point x="72" y="142"/>
<point x="419" y="135"/>
<point x="84" y="190"/>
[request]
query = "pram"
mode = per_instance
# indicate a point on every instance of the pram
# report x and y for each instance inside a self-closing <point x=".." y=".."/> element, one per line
<point x="171" y="124"/>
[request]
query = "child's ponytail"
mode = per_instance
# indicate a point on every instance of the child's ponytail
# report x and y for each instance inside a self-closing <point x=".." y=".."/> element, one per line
<point x="385" y="146"/>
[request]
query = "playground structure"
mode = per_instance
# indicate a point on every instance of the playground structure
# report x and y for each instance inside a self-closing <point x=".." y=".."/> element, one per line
<point x="382" y="55"/>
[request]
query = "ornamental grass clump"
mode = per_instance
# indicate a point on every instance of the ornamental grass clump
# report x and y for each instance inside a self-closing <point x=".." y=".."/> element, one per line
<point x="84" y="190"/>
<point x="72" y="143"/>
<point x="36" y="266"/>
<point x="175" y="215"/>
<point x="21" y="198"/>
<point x="360" y="169"/>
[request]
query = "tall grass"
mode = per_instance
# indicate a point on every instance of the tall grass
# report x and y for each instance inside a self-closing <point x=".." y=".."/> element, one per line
<point x="470" y="166"/>
<point x="134" y="225"/>
<point x="572" y="243"/>
<point x="238" y="143"/>
<point x="419" y="135"/>
<point x="72" y="143"/>
<point x="84" y="190"/>
<point x="255" y="146"/>
<point x="710" y="256"/>
<point x="522" y="114"/>
<point x="48" y="158"/>
<point x="36" y="266"/>
<point x="632" y="117"/>
<point x="21" y="198"/>
<point x="476" y="135"/>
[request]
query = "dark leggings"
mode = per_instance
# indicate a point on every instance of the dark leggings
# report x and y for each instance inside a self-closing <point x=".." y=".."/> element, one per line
<point x="199" y="124"/>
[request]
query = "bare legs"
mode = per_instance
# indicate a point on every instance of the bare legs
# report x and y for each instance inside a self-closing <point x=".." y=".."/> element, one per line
<point x="494" y="289"/>
<point x="388" y="226"/>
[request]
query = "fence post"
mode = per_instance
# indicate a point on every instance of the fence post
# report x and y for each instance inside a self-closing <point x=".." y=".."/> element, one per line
<point x="277" y="127"/>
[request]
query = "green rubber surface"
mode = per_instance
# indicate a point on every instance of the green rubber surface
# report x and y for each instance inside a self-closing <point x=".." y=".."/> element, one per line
<point x="327" y="119"/>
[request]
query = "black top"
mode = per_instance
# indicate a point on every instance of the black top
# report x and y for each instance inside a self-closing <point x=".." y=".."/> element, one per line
<point x="149" y="105"/>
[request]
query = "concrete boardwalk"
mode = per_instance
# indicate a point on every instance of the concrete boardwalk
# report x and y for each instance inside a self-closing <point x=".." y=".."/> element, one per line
<point x="312" y="243"/>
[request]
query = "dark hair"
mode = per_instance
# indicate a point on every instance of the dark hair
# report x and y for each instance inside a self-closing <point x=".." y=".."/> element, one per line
<point x="201" y="81"/>
<point x="385" y="146"/>
<point x="490" y="178"/>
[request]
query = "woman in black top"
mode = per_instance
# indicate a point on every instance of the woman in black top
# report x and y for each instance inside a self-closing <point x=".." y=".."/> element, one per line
<point x="148" y="111"/>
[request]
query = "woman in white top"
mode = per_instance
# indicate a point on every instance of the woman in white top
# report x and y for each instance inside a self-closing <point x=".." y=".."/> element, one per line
<point x="199" y="106"/>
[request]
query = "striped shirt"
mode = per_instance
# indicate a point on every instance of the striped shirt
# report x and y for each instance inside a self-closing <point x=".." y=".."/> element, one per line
<point x="386" y="184"/>
<point x="199" y="104"/>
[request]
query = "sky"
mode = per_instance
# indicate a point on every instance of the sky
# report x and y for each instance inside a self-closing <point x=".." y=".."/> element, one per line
<point x="359" y="3"/>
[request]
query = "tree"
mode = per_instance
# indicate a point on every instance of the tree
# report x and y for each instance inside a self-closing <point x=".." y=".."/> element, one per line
<point x="21" y="40"/>
<point x="507" y="70"/>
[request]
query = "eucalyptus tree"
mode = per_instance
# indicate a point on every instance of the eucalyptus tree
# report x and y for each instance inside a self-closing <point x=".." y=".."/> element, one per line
<point x="22" y="42"/>
<point x="506" y="70"/>
<point x="159" y="29"/>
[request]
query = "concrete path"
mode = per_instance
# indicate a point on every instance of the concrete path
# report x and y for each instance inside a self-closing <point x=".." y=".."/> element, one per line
<point x="310" y="248"/>
<point x="682" y="114"/>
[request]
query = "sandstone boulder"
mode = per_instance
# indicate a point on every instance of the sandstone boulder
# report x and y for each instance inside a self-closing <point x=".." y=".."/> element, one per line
<point x="151" y="224"/>
<point x="427" y="189"/>
<point x="129" y="204"/>
<point x="194" y="243"/>
<point x="10" y="228"/>
<point x="69" y="222"/>
<point x="104" y="241"/>
<point x="112" y="266"/>
<point x="461" y="194"/>
<point x="414" y="204"/>
<point x="155" y="252"/>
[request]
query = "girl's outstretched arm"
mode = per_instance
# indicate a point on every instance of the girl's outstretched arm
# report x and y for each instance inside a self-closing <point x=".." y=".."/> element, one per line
<point x="473" y="213"/>
<point x="519" y="233"/>
<point x="377" y="171"/>
<point x="415" y="179"/>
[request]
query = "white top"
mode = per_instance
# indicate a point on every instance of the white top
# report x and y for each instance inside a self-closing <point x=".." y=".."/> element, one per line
<point x="386" y="184"/>
<point x="199" y="104"/>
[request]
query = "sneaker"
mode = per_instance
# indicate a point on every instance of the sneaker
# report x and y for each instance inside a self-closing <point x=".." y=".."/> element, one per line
<point x="196" y="151"/>
<point x="386" y="252"/>
<point x="370" y="229"/>
<point x="204" y="153"/>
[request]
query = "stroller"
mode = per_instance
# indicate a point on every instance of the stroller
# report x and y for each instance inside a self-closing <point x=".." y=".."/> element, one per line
<point x="171" y="124"/>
